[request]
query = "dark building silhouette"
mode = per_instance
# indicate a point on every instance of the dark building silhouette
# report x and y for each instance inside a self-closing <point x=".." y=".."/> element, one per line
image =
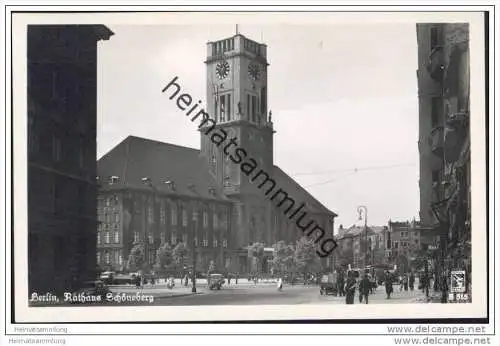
<point x="444" y="141"/>
<point x="62" y="97"/>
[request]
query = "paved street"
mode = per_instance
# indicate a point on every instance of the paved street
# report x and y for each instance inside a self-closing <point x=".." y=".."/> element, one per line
<point x="262" y="294"/>
<point x="245" y="293"/>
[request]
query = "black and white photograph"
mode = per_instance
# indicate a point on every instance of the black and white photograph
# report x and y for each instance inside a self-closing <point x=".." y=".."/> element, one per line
<point x="201" y="166"/>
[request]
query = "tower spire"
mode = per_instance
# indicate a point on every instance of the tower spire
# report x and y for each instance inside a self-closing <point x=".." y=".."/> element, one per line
<point x="237" y="29"/>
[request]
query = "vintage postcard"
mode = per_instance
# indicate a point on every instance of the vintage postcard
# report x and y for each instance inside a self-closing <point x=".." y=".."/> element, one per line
<point x="235" y="166"/>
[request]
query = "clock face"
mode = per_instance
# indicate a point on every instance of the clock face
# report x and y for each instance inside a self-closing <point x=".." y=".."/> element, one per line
<point x="254" y="71"/>
<point x="222" y="69"/>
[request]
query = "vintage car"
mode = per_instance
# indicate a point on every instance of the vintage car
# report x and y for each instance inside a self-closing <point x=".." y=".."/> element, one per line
<point x="215" y="281"/>
<point x="328" y="285"/>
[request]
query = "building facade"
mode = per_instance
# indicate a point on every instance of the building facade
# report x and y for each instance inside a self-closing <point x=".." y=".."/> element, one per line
<point x="236" y="101"/>
<point x="359" y="246"/>
<point x="405" y="244"/>
<point x="62" y="82"/>
<point x="154" y="202"/>
<point x="398" y="243"/>
<point x="444" y="139"/>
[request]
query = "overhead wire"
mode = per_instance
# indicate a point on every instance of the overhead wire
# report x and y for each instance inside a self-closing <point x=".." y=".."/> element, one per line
<point x="350" y="172"/>
<point x="355" y="169"/>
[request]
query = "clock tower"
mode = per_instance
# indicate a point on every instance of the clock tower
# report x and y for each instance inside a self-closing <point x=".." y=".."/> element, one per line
<point x="237" y="102"/>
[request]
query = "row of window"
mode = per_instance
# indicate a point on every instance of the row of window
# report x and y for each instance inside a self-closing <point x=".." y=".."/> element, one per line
<point x="108" y="218"/>
<point x="406" y="234"/>
<point x="106" y="237"/>
<point x="110" y="257"/>
<point x="108" y="201"/>
<point x="174" y="239"/>
<point x="107" y="227"/>
<point x="112" y="214"/>
<point x="108" y="210"/>
<point x="216" y="220"/>
<point x="405" y="243"/>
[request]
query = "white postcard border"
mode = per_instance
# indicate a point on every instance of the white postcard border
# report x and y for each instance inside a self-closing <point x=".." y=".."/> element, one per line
<point x="477" y="309"/>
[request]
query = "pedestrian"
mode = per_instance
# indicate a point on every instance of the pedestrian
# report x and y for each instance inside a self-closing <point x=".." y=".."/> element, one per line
<point x="405" y="282"/>
<point x="236" y="278"/>
<point x="364" y="288"/>
<point x="280" y="284"/>
<point x="444" y="288"/>
<point x="350" y="289"/>
<point x="388" y="284"/>
<point x="340" y="284"/>
<point x="412" y="281"/>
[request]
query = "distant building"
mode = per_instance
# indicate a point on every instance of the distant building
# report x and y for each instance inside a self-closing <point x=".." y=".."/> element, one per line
<point x="399" y="243"/>
<point x="359" y="247"/>
<point x="405" y="244"/>
<point x="444" y="139"/>
<point x="207" y="181"/>
<point x="62" y="82"/>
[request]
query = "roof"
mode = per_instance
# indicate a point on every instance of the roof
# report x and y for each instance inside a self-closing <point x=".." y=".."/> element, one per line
<point x="378" y="229"/>
<point x="355" y="231"/>
<point x="298" y="193"/>
<point x="102" y="32"/>
<point x="136" y="158"/>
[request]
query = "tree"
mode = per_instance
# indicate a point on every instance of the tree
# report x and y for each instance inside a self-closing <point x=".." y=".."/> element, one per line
<point x="306" y="259"/>
<point x="283" y="257"/>
<point x="256" y="251"/>
<point x="137" y="259"/>
<point x="180" y="255"/>
<point x="164" y="257"/>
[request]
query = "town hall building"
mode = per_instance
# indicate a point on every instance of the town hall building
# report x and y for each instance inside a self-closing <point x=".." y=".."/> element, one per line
<point x="158" y="192"/>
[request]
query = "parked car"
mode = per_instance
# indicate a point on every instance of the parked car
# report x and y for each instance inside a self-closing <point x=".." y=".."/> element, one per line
<point x="122" y="279"/>
<point x="328" y="285"/>
<point x="216" y="281"/>
<point x="107" y="277"/>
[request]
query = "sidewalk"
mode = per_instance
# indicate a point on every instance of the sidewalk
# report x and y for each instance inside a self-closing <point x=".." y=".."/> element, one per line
<point x="199" y="282"/>
<point x="434" y="297"/>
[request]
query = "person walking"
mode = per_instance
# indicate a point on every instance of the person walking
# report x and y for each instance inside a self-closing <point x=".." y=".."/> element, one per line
<point x="340" y="284"/>
<point x="412" y="281"/>
<point x="280" y="284"/>
<point x="350" y="289"/>
<point x="364" y="288"/>
<point x="388" y="284"/>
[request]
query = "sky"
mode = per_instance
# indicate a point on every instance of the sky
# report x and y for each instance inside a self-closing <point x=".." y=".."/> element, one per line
<point x="343" y="97"/>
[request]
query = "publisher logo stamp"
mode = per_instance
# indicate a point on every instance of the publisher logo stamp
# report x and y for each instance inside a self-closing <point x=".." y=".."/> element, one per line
<point x="458" y="291"/>
<point x="458" y="281"/>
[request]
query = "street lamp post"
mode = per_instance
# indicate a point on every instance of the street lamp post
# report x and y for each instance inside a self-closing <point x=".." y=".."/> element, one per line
<point x="195" y="229"/>
<point x="364" y="209"/>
